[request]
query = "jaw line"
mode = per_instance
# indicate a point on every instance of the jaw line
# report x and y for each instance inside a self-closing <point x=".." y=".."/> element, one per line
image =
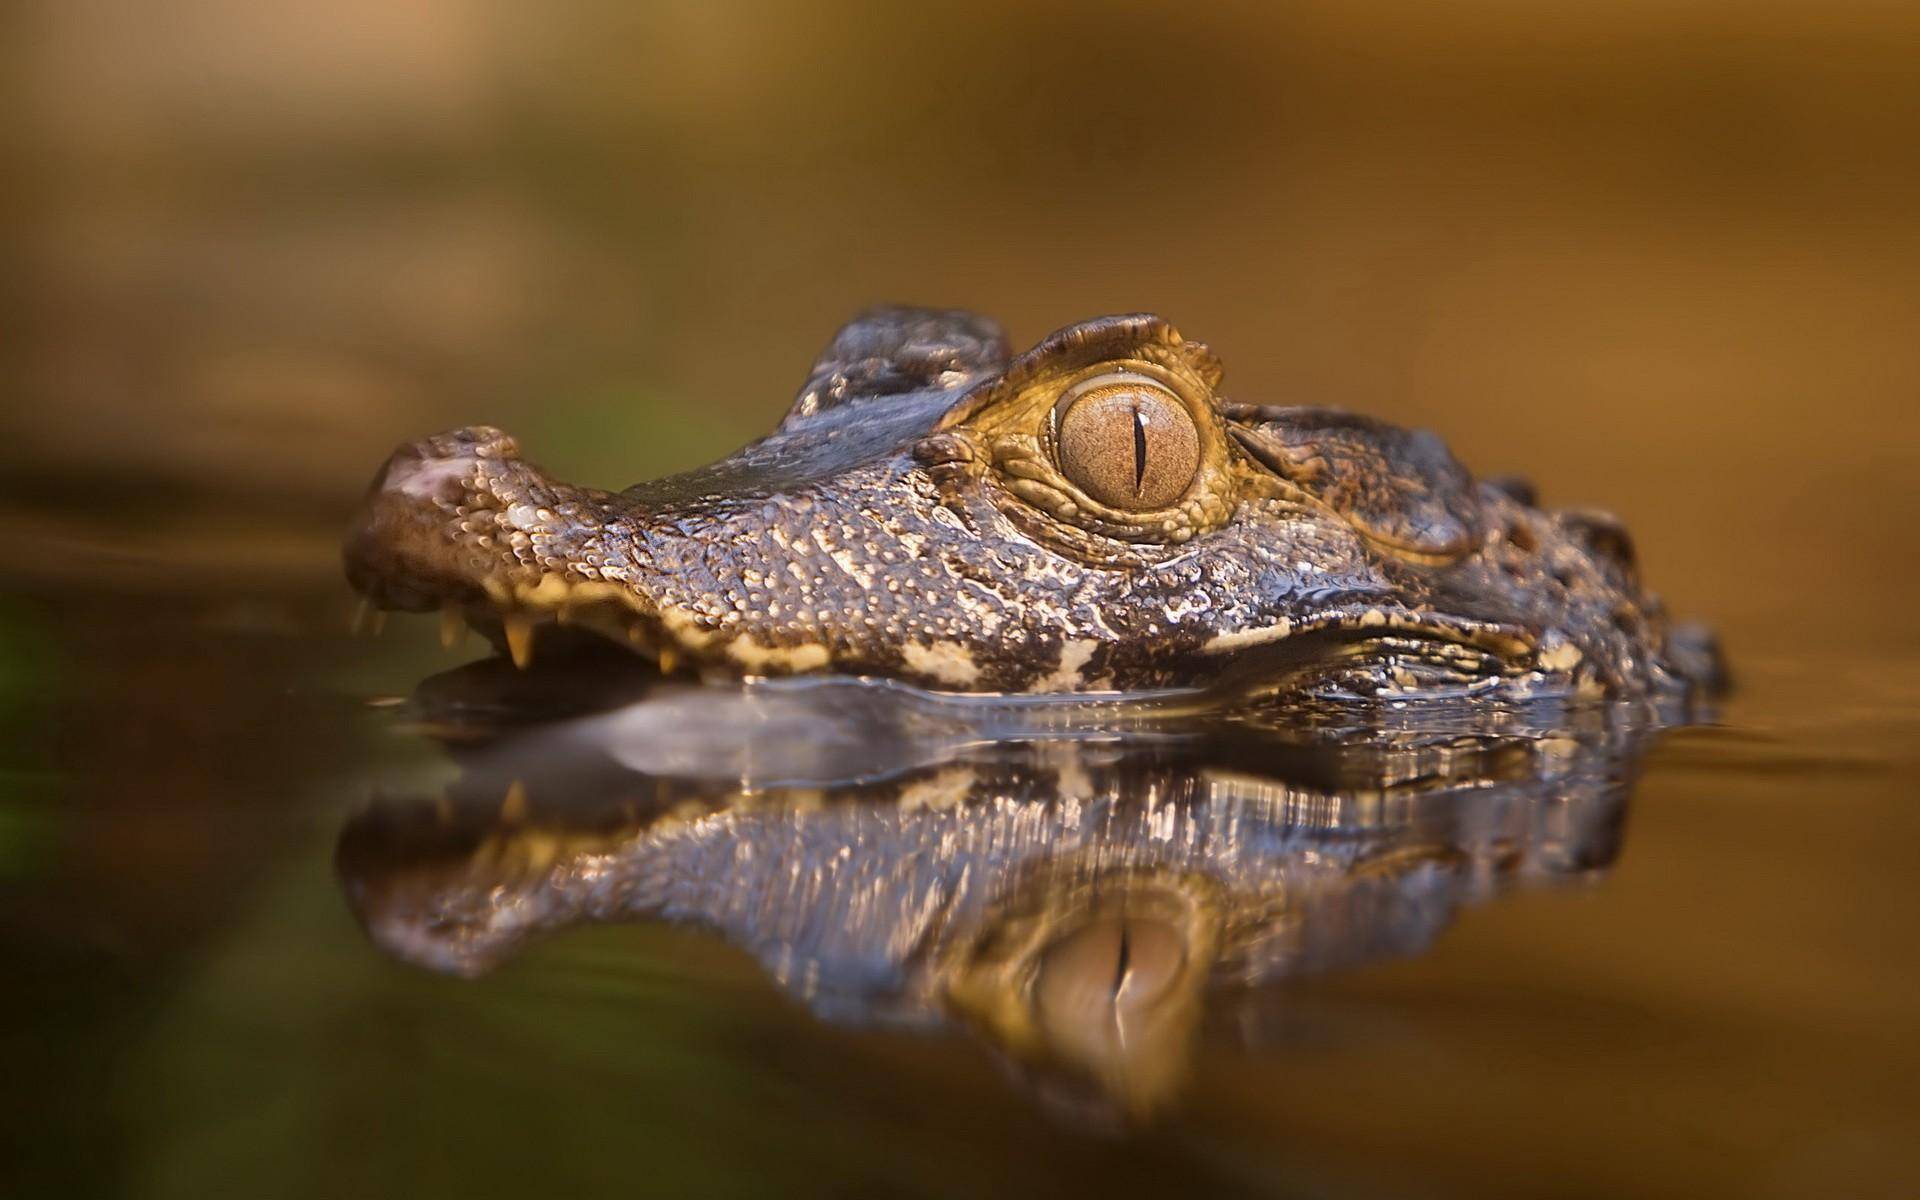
<point x="1358" y="622"/>
<point x="1486" y="635"/>
<point x="673" y="639"/>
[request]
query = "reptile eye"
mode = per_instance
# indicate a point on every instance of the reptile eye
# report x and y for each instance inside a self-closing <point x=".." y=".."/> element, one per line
<point x="1127" y="442"/>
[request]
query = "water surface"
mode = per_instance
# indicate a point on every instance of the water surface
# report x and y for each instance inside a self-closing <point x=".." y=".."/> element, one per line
<point x="254" y="926"/>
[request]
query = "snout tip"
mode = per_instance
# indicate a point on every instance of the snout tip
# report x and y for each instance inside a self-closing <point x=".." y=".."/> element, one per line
<point x="435" y="468"/>
<point x="399" y="553"/>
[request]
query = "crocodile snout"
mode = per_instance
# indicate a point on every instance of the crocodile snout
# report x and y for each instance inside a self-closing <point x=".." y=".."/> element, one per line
<point x="429" y="468"/>
<point x="419" y="541"/>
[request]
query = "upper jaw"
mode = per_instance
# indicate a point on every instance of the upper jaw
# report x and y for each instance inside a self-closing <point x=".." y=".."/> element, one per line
<point x="460" y="523"/>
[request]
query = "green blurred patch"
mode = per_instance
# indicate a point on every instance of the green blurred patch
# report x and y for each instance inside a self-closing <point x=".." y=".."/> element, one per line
<point x="615" y="435"/>
<point x="29" y="820"/>
<point x="302" y="1061"/>
<point x="29" y="823"/>
<point x="295" y="1059"/>
<point x="27" y="662"/>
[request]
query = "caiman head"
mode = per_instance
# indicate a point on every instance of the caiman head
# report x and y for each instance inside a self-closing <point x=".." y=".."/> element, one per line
<point x="1092" y="515"/>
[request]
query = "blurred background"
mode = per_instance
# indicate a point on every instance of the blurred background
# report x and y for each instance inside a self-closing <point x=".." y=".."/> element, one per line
<point x="1661" y="255"/>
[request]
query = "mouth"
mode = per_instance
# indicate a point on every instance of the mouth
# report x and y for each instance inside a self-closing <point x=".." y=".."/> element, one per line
<point x="549" y="620"/>
<point x="460" y="525"/>
<point x="1382" y="648"/>
<point x="561" y="618"/>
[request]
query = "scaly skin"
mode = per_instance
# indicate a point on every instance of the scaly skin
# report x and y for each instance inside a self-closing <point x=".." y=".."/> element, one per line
<point x="911" y="518"/>
<point x="1072" y="901"/>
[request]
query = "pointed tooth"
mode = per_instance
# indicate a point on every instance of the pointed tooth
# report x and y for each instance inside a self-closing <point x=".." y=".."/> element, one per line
<point x="513" y="809"/>
<point x="541" y="852"/>
<point x="453" y="627"/>
<point x="362" y="617"/>
<point x="668" y="660"/>
<point x="519" y="631"/>
<point x="377" y="623"/>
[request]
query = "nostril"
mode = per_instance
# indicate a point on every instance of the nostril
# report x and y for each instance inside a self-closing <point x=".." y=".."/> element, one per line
<point x="422" y="479"/>
<point x="412" y="546"/>
<point x="474" y="441"/>
<point x="437" y="468"/>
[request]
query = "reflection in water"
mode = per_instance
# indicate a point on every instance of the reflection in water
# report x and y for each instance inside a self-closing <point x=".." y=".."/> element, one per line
<point x="1068" y="888"/>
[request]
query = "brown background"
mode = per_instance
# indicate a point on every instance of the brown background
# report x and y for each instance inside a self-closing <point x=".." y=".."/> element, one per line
<point x="1661" y="255"/>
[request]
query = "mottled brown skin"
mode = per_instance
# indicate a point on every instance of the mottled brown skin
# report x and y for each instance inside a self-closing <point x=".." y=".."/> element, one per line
<point x="912" y="518"/>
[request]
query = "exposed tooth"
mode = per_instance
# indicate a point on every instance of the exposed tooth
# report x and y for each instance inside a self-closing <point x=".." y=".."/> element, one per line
<point x="519" y="631"/>
<point x="668" y="661"/>
<point x="541" y="853"/>
<point x="563" y="615"/>
<point x="453" y="627"/>
<point x="362" y="617"/>
<point x="377" y="623"/>
<point x="513" y="809"/>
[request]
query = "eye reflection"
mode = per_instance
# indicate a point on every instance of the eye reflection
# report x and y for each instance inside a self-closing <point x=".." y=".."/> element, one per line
<point x="1075" y="904"/>
<point x="1105" y="999"/>
<point x="1104" y="974"/>
<point x="1128" y="443"/>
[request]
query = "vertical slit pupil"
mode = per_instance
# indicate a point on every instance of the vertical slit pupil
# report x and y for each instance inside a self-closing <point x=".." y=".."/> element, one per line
<point x="1139" y="450"/>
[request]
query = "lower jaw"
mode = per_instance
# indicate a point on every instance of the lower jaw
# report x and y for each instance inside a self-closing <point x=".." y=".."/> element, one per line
<point x="575" y="621"/>
<point x="550" y="618"/>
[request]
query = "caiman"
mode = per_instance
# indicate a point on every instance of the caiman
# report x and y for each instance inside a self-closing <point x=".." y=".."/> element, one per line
<point x="1073" y="900"/>
<point x="1093" y="515"/>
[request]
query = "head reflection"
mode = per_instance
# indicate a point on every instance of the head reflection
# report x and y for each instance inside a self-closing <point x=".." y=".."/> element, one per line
<point x="1071" y="900"/>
